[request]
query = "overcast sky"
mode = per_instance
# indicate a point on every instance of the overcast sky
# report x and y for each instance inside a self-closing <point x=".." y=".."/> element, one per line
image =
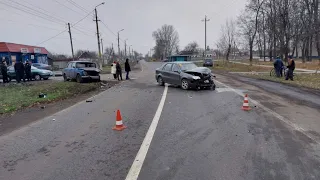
<point x="139" y="18"/>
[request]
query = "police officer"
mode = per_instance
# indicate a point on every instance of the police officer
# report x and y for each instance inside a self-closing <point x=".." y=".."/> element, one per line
<point x="4" y="71"/>
<point x="27" y="69"/>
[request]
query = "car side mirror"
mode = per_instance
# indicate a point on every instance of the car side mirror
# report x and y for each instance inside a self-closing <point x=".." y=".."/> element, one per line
<point x="177" y="72"/>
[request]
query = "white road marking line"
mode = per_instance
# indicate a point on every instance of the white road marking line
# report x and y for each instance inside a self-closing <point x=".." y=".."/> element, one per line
<point x="281" y="118"/>
<point x="142" y="153"/>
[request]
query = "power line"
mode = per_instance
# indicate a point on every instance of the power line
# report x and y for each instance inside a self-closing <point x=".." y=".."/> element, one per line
<point x="67" y="7"/>
<point x="17" y="22"/>
<point x="78" y="6"/>
<point x="83" y="32"/>
<point x="50" y="13"/>
<point x="52" y="37"/>
<point x="65" y="29"/>
<point x="34" y="12"/>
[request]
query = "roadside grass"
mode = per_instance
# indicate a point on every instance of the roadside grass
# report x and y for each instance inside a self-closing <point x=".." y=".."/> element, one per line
<point x="302" y="80"/>
<point x="233" y="67"/>
<point x="313" y="65"/>
<point x="17" y="96"/>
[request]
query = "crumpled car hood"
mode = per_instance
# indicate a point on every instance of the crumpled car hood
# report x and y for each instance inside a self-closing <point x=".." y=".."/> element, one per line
<point x="199" y="70"/>
<point x="90" y="69"/>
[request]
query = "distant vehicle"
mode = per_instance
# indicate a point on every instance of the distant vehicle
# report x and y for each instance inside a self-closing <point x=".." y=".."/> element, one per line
<point x="185" y="74"/>
<point x="42" y="66"/>
<point x="81" y="71"/>
<point x="208" y="62"/>
<point x="36" y="74"/>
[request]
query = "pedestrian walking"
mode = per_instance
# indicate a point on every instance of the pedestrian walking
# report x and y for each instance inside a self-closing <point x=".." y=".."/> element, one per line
<point x="291" y="66"/>
<point x="127" y="68"/>
<point x="19" y="69"/>
<point x="278" y="66"/>
<point x="27" y="70"/>
<point x="119" y="71"/>
<point x="4" y="71"/>
<point x="114" y="69"/>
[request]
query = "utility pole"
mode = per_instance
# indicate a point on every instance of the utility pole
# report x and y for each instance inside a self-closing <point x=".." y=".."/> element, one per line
<point x="98" y="36"/>
<point x="71" y="41"/>
<point x="112" y="52"/>
<point x="205" y="34"/>
<point x="118" y="44"/>
<point x="125" y="48"/>
<point x="102" y="51"/>
<point x="129" y="52"/>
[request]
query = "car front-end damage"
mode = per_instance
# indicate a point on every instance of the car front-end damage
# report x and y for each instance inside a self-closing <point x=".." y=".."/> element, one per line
<point x="90" y="74"/>
<point x="200" y="78"/>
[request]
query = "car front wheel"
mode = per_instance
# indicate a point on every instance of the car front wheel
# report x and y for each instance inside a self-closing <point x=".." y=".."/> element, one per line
<point x="37" y="77"/>
<point x="184" y="84"/>
<point x="160" y="81"/>
<point x="79" y="78"/>
<point x="65" y="77"/>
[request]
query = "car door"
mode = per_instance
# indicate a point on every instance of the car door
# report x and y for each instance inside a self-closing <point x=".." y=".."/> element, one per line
<point x="73" y="72"/>
<point x="166" y="73"/>
<point x="175" y="74"/>
<point x="66" y="70"/>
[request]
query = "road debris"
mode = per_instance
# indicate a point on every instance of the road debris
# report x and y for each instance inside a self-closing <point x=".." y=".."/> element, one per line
<point x="42" y="95"/>
<point x="88" y="100"/>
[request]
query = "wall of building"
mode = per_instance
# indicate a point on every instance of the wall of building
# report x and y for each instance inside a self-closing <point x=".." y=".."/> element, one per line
<point x="34" y="58"/>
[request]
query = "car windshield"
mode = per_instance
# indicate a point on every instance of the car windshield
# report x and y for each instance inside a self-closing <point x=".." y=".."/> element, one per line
<point x="85" y="64"/>
<point x="208" y="60"/>
<point x="187" y="66"/>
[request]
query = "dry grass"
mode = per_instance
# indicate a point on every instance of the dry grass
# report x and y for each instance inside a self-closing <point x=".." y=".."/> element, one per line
<point x="314" y="65"/>
<point x="302" y="80"/>
<point x="233" y="67"/>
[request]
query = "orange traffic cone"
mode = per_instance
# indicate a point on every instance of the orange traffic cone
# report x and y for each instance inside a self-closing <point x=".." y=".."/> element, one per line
<point x="245" y="105"/>
<point x="119" y="125"/>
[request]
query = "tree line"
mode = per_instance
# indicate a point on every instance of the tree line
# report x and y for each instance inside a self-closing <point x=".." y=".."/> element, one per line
<point x="274" y="28"/>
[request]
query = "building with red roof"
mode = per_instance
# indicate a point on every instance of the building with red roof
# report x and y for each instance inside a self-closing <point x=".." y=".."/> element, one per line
<point x="12" y="53"/>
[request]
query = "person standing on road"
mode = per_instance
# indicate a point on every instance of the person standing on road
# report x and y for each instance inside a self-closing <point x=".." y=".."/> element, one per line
<point x="27" y="69"/>
<point x="291" y="66"/>
<point x="278" y="66"/>
<point x="127" y="68"/>
<point x="119" y="71"/>
<point x="4" y="71"/>
<point x="19" y="69"/>
<point x="114" y="69"/>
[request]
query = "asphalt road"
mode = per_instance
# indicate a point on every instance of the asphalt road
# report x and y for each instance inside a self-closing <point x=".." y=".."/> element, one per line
<point x="194" y="135"/>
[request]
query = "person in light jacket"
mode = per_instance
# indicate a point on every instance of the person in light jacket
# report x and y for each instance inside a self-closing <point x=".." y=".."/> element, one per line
<point x="114" y="69"/>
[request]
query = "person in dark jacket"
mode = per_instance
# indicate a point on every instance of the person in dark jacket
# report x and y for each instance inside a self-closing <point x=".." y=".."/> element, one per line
<point x="278" y="66"/>
<point x="127" y="68"/>
<point x="27" y="69"/>
<point x="19" y="69"/>
<point x="291" y="66"/>
<point x="4" y="71"/>
<point x="119" y="71"/>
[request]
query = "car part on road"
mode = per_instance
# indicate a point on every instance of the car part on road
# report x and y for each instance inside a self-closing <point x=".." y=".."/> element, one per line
<point x="245" y="105"/>
<point x="160" y="81"/>
<point x="184" y="84"/>
<point x="119" y="125"/>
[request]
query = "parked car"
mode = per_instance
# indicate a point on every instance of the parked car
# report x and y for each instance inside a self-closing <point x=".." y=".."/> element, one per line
<point x="208" y="62"/>
<point x="81" y="71"/>
<point x="185" y="74"/>
<point x="42" y="66"/>
<point x="36" y="73"/>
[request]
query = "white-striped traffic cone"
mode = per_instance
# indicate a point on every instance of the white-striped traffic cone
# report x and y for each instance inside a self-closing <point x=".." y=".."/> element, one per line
<point x="245" y="105"/>
<point x="119" y="125"/>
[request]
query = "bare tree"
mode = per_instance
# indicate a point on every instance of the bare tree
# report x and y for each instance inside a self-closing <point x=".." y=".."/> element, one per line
<point x="227" y="38"/>
<point x="167" y="41"/>
<point x="192" y="47"/>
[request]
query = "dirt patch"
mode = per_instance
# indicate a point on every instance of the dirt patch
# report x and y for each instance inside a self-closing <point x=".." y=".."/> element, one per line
<point x="10" y="122"/>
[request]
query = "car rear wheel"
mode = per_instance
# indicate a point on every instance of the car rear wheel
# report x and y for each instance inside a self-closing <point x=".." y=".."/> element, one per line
<point x="79" y="78"/>
<point x="184" y="84"/>
<point x="37" y="77"/>
<point x="160" y="81"/>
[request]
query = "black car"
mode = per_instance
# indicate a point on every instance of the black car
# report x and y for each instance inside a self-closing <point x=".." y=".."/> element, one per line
<point x="208" y="62"/>
<point x="185" y="74"/>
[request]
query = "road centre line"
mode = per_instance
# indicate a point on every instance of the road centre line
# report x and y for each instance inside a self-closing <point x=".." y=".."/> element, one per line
<point x="142" y="153"/>
<point x="281" y="118"/>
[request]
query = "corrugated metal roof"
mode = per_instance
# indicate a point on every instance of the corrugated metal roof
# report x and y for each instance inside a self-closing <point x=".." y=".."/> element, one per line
<point x="12" y="47"/>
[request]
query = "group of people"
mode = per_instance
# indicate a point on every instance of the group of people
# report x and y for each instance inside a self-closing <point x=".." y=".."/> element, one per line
<point x="23" y="71"/>
<point x="116" y="70"/>
<point x="279" y="67"/>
